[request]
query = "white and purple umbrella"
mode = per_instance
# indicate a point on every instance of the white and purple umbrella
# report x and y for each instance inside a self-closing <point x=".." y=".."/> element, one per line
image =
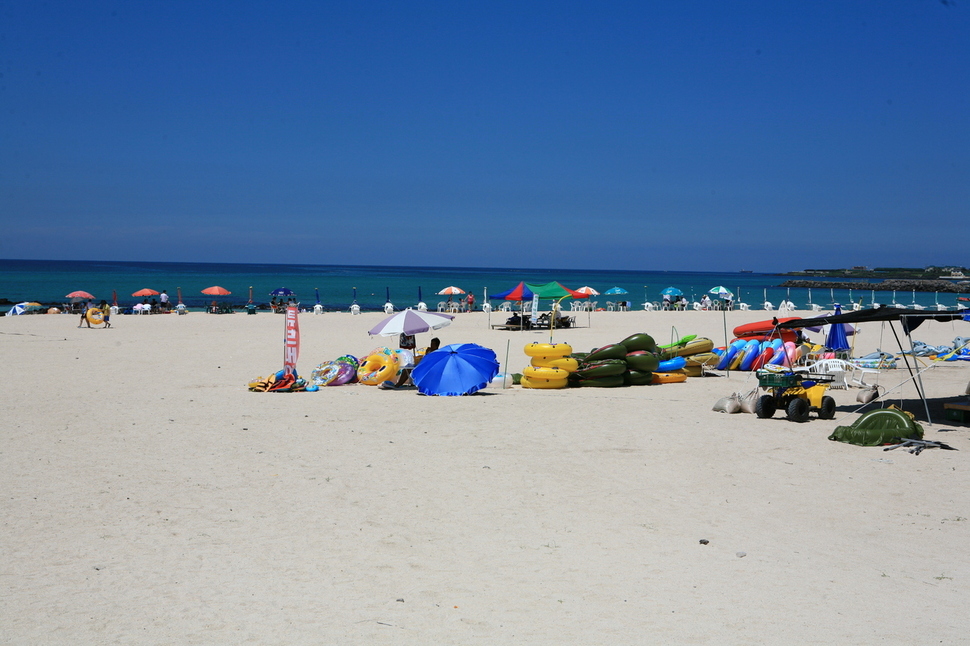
<point x="411" y="322"/>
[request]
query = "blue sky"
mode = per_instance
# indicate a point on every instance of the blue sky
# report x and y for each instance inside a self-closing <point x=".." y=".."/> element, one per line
<point x="706" y="135"/>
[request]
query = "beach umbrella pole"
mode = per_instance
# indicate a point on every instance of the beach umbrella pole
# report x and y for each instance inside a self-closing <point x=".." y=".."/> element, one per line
<point x="505" y="375"/>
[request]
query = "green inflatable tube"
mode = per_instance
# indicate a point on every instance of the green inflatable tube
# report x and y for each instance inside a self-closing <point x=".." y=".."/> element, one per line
<point x="601" y="369"/>
<point x="638" y="378"/>
<point x="612" y="351"/>
<point x="613" y="381"/>
<point x="643" y="361"/>
<point x="639" y="341"/>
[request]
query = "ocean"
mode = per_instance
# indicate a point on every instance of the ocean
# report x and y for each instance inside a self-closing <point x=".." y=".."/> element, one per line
<point x="337" y="286"/>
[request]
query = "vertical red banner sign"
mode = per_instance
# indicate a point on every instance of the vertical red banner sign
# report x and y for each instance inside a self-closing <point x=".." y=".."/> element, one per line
<point x="291" y="341"/>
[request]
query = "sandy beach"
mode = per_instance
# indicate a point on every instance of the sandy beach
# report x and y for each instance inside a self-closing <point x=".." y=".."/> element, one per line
<point x="150" y="498"/>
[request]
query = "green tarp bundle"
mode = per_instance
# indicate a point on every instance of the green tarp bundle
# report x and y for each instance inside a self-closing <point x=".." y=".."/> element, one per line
<point x="879" y="427"/>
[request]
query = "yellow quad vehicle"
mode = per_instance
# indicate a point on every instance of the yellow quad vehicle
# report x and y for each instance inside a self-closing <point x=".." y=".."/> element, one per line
<point x="796" y="393"/>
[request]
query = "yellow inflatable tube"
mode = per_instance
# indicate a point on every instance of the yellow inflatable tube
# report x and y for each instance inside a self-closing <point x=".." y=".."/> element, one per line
<point x="548" y="350"/>
<point x="94" y="316"/>
<point x="550" y="384"/>
<point x="550" y="374"/>
<point x="381" y="365"/>
<point x="563" y="363"/>
<point x="668" y="377"/>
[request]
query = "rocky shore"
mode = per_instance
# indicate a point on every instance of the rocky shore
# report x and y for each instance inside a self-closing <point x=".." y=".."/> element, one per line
<point x="898" y="284"/>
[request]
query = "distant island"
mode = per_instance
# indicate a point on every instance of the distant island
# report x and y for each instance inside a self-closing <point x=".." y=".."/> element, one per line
<point x="928" y="279"/>
<point x="883" y="273"/>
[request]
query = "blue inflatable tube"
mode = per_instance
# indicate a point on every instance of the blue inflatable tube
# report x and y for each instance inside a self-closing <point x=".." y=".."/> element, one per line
<point x="671" y="364"/>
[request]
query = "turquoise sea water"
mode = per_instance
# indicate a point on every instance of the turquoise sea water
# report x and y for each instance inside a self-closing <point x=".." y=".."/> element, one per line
<point x="48" y="281"/>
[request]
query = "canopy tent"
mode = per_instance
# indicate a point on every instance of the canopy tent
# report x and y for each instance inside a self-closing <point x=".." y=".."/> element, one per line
<point x="909" y="319"/>
<point x="518" y="293"/>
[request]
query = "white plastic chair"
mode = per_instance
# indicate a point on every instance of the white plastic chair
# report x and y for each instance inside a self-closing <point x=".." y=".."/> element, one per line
<point x="743" y="307"/>
<point x="816" y="307"/>
<point x="838" y="368"/>
<point x="355" y="309"/>
<point x="768" y="306"/>
<point x="487" y="307"/>
<point x="649" y="307"/>
<point x="318" y="309"/>
<point x="388" y="308"/>
<point x="422" y="307"/>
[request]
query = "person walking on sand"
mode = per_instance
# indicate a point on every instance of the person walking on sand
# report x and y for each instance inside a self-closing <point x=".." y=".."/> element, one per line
<point x="106" y="311"/>
<point x="84" y="314"/>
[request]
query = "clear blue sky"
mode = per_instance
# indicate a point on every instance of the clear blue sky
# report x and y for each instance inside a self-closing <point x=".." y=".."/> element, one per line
<point x="705" y="135"/>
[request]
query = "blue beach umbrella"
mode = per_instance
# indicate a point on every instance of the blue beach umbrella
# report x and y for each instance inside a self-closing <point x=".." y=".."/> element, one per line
<point x="671" y="291"/>
<point x="457" y="369"/>
<point x="836" y="338"/>
<point x="616" y="290"/>
<point x="282" y="291"/>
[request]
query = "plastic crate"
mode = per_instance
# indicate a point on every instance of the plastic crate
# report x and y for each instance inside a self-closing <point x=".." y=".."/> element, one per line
<point x="768" y="379"/>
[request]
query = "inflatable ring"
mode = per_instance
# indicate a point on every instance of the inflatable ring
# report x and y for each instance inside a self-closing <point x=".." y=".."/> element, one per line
<point x="669" y="377"/>
<point x="325" y="373"/>
<point x="379" y="366"/>
<point x="348" y="358"/>
<point x="548" y="384"/>
<point x="552" y="374"/>
<point x="563" y="363"/>
<point x="549" y="350"/>
<point x="346" y="373"/>
<point x="94" y="316"/>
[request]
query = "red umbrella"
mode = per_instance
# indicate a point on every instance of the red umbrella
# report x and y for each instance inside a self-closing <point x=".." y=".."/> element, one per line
<point x="216" y="291"/>
<point x="79" y="294"/>
<point x="145" y="292"/>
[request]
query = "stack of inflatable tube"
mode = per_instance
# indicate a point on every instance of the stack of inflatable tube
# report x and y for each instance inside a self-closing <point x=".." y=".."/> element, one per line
<point x="550" y="365"/>
<point x="753" y="354"/>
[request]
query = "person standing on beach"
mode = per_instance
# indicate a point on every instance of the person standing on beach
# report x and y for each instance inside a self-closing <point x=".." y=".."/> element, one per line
<point x="163" y="297"/>
<point x="84" y="314"/>
<point x="471" y="302"/>
<point x="106" y="311"/>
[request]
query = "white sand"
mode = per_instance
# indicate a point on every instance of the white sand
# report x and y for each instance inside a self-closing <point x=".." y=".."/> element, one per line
<point x="150" y="498"/>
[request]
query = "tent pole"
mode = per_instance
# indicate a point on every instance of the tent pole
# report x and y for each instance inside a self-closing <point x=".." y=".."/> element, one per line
<point x="917" y="382"/>
<point x="505" y="375"/>
<point x="724" y="320"/>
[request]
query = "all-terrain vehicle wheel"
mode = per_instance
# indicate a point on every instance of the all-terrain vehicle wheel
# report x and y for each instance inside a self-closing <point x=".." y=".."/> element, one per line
<point x="827" y="409"/>
<point x="797" y="410"/>
<point x="765" y="406"/>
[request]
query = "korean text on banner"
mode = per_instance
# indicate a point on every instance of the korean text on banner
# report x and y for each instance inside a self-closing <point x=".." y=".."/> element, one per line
<point x="291" y="341"/>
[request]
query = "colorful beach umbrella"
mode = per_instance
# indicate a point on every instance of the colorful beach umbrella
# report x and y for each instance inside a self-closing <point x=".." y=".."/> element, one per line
<point x="721" y="291"/>
<point x="145" y="292"/>
<point x="589" y="291"/>
<point x="411" y="322"/>
<point x="215" y="290"/>
<point x="455" y="370"/>
<point x="80" y="295"/>
<point x="451" y="290"/>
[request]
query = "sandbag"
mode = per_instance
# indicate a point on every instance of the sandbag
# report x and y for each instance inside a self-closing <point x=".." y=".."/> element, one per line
<point x="749" y="402"/>
<point x="729" y="404"/>
<point x="867" y="394"/>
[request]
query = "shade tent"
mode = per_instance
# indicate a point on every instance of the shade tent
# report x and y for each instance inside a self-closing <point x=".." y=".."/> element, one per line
<point x="909" y="320"/>
<point x="518" y="293"/>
